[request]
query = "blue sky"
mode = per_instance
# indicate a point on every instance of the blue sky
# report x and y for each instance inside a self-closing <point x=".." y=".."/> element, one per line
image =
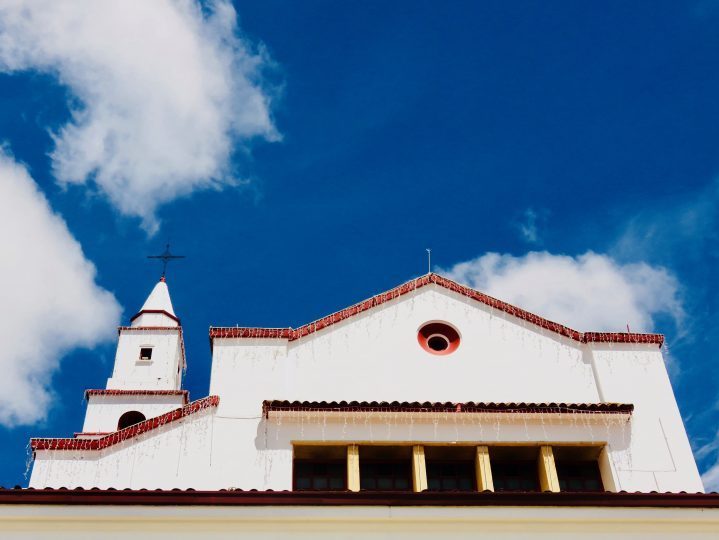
<point x="316" y="149"/>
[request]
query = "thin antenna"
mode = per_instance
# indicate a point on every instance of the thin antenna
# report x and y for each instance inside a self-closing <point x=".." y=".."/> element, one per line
<point x="429" y="260"/>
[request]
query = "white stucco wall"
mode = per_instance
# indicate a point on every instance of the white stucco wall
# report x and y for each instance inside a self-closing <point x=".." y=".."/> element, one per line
<point x="159" y="373"/>
<point x="375" y="357"/>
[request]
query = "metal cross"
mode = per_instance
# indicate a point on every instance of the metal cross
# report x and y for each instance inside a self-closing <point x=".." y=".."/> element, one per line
<point x="166" y="257"/>
<point x="429" y="261"/>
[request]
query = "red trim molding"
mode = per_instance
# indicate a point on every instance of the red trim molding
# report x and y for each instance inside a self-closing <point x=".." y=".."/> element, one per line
<point x="111" y="392"/>
<point x="269" y="406"/>
<point x="111" y="497"/>
<point x="127" y="433"/>
<point x="293" y="334"/>
<point x="156" y="311"/>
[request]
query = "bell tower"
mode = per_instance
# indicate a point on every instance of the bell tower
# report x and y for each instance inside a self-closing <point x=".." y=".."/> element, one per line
<point x="150" y="352"/>
<point x="147" y="378"/>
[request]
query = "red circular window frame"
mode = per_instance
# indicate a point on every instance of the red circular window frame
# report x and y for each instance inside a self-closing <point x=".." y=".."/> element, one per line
<point x="442" y="329"/>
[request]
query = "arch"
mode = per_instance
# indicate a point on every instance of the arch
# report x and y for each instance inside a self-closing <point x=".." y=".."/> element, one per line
<point x="130" y="418"/>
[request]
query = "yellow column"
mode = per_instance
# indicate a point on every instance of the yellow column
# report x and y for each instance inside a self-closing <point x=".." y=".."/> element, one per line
<point x="548" y="479"/>
<point x="419" y="469"/>
<point x="483" y="469"/>
<point x="353" y="468"/>
<point x="605" y="470"/>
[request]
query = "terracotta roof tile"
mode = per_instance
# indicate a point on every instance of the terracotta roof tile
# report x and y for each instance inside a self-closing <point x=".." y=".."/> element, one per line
<point x="292" y="334"/>
<point x="269" y="406"/>
<point x="127" y="433"/>
<point x="116" y="392"/>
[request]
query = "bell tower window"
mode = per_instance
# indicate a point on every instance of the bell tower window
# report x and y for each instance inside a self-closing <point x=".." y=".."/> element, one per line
<point x="145" y="353"/>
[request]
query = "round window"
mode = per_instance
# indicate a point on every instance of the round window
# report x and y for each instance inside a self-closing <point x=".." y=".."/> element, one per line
<point x="438" y="338"/>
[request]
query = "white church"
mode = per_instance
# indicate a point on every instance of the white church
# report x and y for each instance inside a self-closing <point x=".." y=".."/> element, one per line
<point x="430" y="410"/>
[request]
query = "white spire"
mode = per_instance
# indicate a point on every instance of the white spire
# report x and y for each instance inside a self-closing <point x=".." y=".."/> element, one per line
<point x="157" y="309"/>
<point x="159" y="299"/>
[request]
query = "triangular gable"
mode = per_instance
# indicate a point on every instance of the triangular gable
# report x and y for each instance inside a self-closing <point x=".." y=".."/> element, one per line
<point x="292" y="334"/>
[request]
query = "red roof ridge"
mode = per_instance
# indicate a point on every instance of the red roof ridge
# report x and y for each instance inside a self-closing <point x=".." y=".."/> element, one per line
<point x="292" y="334"/>
<point x="138" y="392"/>
<point x="156" y="311"/>
<point x="269" y="406"/>
<point x="127" y="433"/>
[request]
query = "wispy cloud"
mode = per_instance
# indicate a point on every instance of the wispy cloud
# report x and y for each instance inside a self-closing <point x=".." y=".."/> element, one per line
<point x="711" y="478"/>
<point x="50" y="302"/>
<point x="163" y="93"/>
<point x="590" y="292"/>
<point x="685" y="228"/>
<point x="530" y="224"/>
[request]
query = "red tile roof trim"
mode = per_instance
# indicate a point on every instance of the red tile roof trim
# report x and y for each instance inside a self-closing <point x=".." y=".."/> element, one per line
<point x="269" y="406"/>
<point x="121" y="329"/>
<point x="112" y="392"/>
<point x="127" y="433"/>
<point x="292" y="334"/>
<point x="155" y="311"/>
<point x="177" y="497"/>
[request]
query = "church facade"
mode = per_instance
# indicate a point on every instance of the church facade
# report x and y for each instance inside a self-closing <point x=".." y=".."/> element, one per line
<point x="430" y="407"/>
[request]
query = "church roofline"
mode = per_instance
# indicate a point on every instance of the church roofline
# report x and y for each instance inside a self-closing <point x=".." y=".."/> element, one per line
<point x="156" y="311"/>
<point x="292" y="334"/>
<point x="270" y="406"/>
<point x="117" y="392"/>
<point x="232" y="497"/>
<point x="127" y="433"/>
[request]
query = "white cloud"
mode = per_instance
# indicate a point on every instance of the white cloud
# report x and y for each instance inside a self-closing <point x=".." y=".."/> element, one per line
<point x="50" y="302"/>
<point x="529" y="225"/>
<point x="682" y="228"/>
<point x="590" y="292"/>
<point x="163" y="91"/>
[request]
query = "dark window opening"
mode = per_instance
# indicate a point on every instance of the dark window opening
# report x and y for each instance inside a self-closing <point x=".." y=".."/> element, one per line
<point x="514" y="468"/>
<point x="145" y="353"/>
<point x="579" y="476"/>
<point x="319" y="468"/>
<point x="385" y="468"/>
<point x="451" y="476"/>
<point x="394" y="475"/>
<point x="438" y="343"/>
<point x="515" y="476"/>
<point x="130" y="418"/>
<point x="320" y="475"/>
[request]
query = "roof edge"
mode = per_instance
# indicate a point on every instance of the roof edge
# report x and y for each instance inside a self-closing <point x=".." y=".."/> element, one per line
<point x="127" y="433"/>
<point x="292" y="334"/>
<point x="471" y="407"/>
<point x="176" y="497"/>
<point x="121" y="392"/>
<point x="157" y="312"/>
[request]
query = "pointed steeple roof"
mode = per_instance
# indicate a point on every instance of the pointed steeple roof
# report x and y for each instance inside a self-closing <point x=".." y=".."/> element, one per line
<point x="159" y="299"/>
<point x="158" y="306"/>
